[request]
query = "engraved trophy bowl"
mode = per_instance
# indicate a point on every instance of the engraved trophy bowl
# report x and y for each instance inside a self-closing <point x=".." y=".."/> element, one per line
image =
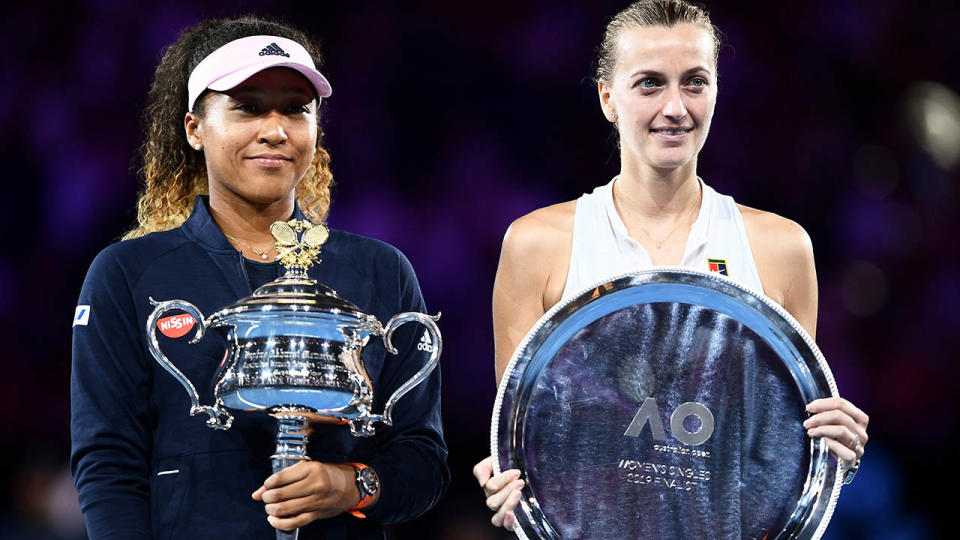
<point x="295" y="352"/>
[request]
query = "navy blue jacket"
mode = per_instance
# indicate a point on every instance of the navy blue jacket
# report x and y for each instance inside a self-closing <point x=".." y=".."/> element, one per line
<point x="130" y="420"/>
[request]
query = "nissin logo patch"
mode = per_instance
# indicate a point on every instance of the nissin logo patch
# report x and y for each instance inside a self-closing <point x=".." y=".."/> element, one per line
<point x="176" y="326"/>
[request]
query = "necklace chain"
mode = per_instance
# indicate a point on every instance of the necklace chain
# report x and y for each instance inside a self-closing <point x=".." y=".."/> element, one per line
<point x="660" y="243"/>
<point x="665" y="238"/>
<point x="264" y="255"/>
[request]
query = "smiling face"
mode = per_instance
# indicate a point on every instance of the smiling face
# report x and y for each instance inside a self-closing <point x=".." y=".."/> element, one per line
<point x="662" y="93"/>
<point x="258" y="138"/>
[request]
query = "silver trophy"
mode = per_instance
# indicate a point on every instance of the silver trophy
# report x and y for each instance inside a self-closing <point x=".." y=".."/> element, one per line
<point x="666" y="403"/>
<point x="295" y="352"/>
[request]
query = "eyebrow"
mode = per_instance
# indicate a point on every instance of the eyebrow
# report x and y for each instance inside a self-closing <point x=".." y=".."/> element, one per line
<point x="653" y="73"/>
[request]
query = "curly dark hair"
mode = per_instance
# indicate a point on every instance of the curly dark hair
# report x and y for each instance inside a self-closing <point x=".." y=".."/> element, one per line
<point x="173" y="173"/>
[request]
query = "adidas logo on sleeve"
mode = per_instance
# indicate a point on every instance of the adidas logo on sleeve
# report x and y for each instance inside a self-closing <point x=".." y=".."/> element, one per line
<point x="426" y="344"/>
<point x="274" y="50"/>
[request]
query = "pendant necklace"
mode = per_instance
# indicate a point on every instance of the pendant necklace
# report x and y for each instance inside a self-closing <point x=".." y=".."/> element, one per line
<point x="263" y="254"/>
<point x="659" y="242"/>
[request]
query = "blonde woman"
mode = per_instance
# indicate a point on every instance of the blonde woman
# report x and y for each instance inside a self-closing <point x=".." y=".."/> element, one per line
<point x="657" y="86"/>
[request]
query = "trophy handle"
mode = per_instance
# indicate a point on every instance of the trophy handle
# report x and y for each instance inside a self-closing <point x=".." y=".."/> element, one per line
<point x="363" y="426"/>
<point x="219" y="417"/>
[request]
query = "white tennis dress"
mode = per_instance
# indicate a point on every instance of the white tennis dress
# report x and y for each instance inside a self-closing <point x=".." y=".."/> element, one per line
<point x="602" y="249"/>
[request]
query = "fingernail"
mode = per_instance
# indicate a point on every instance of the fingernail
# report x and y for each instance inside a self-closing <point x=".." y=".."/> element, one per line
<point x="806" y="423"/>
<point x="272" y="520"/>
<point x="515" y="472"/>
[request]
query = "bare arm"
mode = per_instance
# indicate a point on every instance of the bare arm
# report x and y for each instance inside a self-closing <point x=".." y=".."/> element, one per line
<point x="530" y="279"/>
<point x="530" y="276"/>
<point x="784" y="256"/>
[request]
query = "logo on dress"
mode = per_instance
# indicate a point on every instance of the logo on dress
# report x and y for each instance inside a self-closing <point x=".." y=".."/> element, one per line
<point x="426" y="344"/>
<point x="81" y="316"/>
<point x="718" y="265"/>
<point x="176" y="326"/>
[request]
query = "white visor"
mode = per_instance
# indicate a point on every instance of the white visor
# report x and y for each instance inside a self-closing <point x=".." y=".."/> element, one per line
<point x="240" y="59"/>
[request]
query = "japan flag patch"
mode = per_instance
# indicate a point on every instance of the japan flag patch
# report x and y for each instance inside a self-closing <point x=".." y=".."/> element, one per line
<point x="82" y="316"/>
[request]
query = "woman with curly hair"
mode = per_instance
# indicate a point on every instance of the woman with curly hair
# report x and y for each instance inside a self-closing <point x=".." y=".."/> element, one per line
<point x="233" y="144"/>
<point x="657" y="86"/>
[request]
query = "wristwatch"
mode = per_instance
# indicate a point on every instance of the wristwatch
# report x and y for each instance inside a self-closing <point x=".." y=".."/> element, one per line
<point x="849" y="470"/>
<point x="368" y="484"/>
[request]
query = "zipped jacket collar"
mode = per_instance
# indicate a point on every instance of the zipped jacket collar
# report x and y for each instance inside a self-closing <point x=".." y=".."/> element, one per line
<point x="201" y="228"/>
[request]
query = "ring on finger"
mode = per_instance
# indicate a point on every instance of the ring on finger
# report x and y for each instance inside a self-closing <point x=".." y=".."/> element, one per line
<point x="854" y="442"/>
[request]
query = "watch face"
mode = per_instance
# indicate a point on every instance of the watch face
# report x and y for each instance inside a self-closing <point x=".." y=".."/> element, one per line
<point x="368" y="481"/>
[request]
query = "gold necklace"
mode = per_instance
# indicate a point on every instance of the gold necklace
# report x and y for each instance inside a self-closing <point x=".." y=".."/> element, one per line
<point x="262" y="254"/>
<point x="665" y="238"/>
<point x="673" y="230"/>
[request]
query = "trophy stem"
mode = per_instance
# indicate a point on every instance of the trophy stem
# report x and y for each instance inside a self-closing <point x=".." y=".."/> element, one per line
<point x="296" y="271"/>
<point x="291" y="449"/>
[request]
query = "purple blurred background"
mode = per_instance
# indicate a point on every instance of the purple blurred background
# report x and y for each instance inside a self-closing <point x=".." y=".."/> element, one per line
<point x="450" y="120"/>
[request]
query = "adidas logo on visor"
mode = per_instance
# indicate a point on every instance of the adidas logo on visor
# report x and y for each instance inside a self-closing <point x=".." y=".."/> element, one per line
<point x="273" y="50"/>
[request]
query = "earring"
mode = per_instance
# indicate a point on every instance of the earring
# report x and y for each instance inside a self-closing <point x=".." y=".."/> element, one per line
<point x="197" y="146"/>
<point x="613" y="115"/>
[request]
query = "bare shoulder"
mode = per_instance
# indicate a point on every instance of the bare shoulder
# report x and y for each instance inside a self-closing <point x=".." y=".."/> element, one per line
<point x="531" y="274"/>
<point x="775" y="237"/>
<point x="536" y="254"/>
<point x="542" y="231"/>
<point x="784" y="256"/>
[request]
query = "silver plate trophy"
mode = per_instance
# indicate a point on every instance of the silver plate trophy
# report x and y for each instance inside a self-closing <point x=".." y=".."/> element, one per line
<point x="666" y="403"/>
<point x="294" y="352"/>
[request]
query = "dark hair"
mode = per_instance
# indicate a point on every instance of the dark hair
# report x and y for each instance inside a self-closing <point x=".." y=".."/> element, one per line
<point x="650" y="13"/>
<point x="173" y="173"/>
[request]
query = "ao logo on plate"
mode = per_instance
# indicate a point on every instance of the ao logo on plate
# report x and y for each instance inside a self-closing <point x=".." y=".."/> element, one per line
<point x="649" y="413"/>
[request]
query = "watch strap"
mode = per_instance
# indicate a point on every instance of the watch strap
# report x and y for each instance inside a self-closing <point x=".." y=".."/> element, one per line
<point x="849" y="470"/>
<point x="366" y="498"/>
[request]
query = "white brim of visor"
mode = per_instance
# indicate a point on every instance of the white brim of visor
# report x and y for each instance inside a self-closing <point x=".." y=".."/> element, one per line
<point x="237" y="61"/>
